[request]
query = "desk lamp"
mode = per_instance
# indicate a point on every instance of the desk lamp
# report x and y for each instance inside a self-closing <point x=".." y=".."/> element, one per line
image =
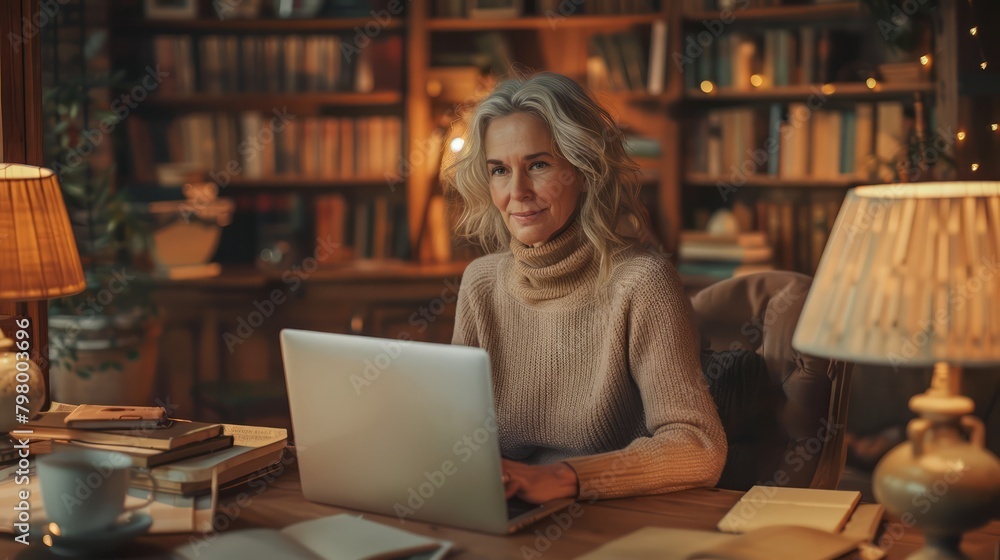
<point x="911" y="278"/>
<point x="38" y="260"/>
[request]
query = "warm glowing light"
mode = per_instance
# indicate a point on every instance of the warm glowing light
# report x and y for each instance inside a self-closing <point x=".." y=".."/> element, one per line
<point x="756" y="80"/>
<point x="973" y="31"/>
<point x="47" y="540"/>
<point x="457" y="144"/>
<point x="828" y="89"/>
<point x="975" y="167"/>
<point x="925" y="60"/>
<point x="54" y="529"/>
<point x="707" y="86"/>
<point x="960" y="135"/>
<point x="983" y="65"/>
<point x="871" y="83"/>
<point x="994" y="126"/>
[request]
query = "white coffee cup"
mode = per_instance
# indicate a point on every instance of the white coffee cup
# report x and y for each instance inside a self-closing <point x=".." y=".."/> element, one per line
<point x="84" y="490"/>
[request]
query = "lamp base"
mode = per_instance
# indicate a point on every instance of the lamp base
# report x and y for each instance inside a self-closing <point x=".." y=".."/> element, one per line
<point x="940" y="548"/>
<point x="943" y="480"/>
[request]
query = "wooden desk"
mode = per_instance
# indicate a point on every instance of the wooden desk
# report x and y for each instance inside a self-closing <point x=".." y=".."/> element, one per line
<point x="280" y="503"/>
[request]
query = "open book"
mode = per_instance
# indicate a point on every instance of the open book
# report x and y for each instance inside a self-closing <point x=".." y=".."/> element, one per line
<point x="338" y="537"/>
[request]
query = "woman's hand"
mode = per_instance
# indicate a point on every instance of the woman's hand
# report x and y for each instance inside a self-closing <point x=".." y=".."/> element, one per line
<point x="538" y="483"/>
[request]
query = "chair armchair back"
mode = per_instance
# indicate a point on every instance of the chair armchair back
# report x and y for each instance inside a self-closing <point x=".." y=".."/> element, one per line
<point x="759" y="312"/>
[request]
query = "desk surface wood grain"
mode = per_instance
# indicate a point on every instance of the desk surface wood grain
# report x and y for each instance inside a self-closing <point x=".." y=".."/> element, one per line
<point x="280" y="503"/>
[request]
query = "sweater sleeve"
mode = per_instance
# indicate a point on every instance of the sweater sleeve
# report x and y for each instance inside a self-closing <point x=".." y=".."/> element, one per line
<point x="687" y="447"/>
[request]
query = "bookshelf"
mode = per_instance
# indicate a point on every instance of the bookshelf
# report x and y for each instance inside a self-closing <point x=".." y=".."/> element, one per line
<point x="785" y="107"/>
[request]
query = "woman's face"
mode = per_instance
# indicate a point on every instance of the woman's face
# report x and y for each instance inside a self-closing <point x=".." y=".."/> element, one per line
<point x="535" y="190"/>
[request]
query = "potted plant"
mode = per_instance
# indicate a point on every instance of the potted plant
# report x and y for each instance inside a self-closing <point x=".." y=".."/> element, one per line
<point x="103" y="341"/>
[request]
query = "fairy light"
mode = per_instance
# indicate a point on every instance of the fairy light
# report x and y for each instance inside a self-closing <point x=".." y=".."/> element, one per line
<point x="925" y="59"/>
<point x="983" y="65"/>
<point x="707" y="86"/>
<point x="457" y="144"/>
<point x="871" y="83"/>
<point x="975" y="167"/>
<point x="994" y="126"/>
<point x="756" y="80"/>
<point x="828" y="89"/>
<point x="973" y="31"/>
<point x="960" y="135"/>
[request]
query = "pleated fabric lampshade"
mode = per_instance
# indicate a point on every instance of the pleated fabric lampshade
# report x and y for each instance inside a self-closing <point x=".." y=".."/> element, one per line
<point x="38" y="255"/>
<point x="910" y="276"/>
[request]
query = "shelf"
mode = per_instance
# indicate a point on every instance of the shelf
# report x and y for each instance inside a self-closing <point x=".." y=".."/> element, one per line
<point x="380" y="185"/>
<point x="850" y="91"/>
<point x="819" y="13"/>
<point x="541" y="22"/>
<point x="702" y="180"/>
<point x="202" y="26"/>
<point x="267" y="101"/>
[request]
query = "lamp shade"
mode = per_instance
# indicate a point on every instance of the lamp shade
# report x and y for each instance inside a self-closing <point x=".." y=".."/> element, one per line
<point x="38" y="255"/>
<point x="910" y="277"/>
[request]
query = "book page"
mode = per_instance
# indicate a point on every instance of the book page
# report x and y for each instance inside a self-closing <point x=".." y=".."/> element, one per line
<point x="349" y="537"/>
<point x="254" y="436"/>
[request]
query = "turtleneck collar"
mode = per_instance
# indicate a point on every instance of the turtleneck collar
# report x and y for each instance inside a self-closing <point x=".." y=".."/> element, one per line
<point x="556" y="269"/>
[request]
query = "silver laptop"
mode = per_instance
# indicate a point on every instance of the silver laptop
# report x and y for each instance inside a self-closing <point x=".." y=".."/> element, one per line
<point x="404" y="429"/>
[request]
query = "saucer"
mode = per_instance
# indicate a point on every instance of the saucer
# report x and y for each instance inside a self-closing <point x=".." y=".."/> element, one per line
<point x="90" y="544"/>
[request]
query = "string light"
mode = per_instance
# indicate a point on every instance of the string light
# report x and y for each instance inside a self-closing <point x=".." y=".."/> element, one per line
<point x="756" y="80"/>
<point x="975" y="167"/>
<point x="707" y="86"/>
<point x="960" y="135"/>
<point x="871" y="83"/>
<point x="994" y="126"/>
<point x="973" y="31"/>
<point x="925" y="59"/>
<point x="828" y="89"/>
<point x="983" y="65"/>
<point x="457" y="144"/>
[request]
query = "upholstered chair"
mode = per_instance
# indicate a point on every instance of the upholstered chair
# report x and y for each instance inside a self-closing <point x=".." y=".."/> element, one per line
<point x="784" y="412"/>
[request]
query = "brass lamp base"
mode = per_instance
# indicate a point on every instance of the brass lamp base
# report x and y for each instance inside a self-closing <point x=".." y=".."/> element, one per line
<point x="943" y="480"/>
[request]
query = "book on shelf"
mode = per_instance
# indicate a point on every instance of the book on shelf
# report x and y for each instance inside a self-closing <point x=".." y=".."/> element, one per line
<point x="725" y="253"/>
<point x="276" y="64"/>
<point x="338" y="537"/>
<point x="52" y="425"/>
<point x="618" y="62"/>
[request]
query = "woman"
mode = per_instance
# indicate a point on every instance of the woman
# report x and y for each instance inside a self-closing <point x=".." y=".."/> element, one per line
<point x="596" y="374"/>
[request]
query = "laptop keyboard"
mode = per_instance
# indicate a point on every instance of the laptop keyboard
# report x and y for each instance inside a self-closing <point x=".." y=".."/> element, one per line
<point x="517" y="506"/>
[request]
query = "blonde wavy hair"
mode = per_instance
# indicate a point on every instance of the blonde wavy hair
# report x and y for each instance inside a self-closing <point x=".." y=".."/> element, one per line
<point x="610" y="213"/>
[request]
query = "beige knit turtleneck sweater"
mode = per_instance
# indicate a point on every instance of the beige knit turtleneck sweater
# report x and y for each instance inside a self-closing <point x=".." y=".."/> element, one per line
<point x="609" y="382"/>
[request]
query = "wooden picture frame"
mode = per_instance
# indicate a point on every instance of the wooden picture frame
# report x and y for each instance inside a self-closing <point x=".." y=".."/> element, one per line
<point x="494" y="9"/>
<point x="171" y="9"/>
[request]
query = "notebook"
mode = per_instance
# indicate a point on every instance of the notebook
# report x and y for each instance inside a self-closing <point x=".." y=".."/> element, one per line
<point x="338" y="537"/>
<point x="767" y="506"/>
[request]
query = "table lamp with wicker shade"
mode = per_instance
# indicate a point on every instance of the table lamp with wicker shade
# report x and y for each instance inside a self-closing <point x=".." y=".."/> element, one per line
<point x="38" y="260"/>
<point x="910" y="277"/>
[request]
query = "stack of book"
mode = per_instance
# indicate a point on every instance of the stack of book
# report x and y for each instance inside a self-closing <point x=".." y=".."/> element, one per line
<point x="716" y="257"/>
<point x="182" y="457"/>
